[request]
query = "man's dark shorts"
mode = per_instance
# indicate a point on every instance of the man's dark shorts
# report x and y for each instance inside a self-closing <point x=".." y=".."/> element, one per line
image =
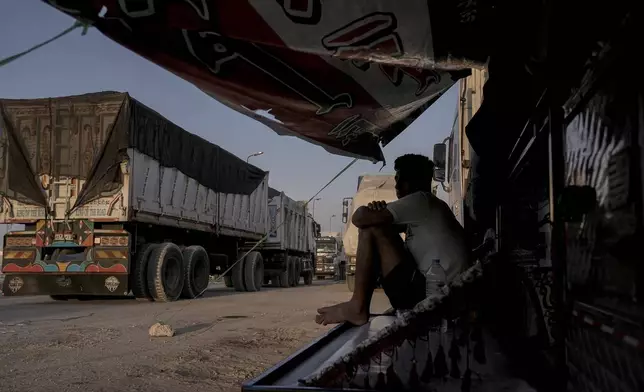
<point x="404" y="285"/>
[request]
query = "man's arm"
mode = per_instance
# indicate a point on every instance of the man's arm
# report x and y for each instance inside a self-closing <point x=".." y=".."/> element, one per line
<point x="399" y="213"/>
<point x="367" y="217"/>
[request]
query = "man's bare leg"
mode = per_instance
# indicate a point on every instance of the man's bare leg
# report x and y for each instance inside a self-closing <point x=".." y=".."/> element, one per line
<point x="374" y="244"/>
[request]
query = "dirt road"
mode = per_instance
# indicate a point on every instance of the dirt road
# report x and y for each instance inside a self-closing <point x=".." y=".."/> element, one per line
<point x="222" y="339"/>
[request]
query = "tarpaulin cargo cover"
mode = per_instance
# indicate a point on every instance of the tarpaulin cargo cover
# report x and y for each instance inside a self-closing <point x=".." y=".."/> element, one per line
<point x="70" y="137"/>
<point x="347" y="75"/>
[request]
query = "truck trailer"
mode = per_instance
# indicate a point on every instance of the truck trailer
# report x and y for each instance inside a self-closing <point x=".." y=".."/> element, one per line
<point x="115" y="199"/>
<point x="289" y="250"/>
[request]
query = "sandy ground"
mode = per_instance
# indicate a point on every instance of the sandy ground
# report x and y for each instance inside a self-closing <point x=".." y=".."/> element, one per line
<point x="222" y="339"/>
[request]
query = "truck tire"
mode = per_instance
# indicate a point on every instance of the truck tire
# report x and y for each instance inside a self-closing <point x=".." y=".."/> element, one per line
<point x="140" y="273"/>
<point x="284" y="276"/>
<point x="298" y="272"/>
<point x="165" y="272"/>
<point x="253" y="271"/>
<point x="308" y="278"/>
<point x="228" y="281"/>
<point x="351" y="282"/>
<point x="196" y="268"/>
<point x="237" y="276"/>
<point x="275" y="281"/>
<point x="290" y="266"/>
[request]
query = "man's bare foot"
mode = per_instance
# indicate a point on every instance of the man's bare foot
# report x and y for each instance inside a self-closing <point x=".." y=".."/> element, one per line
<point x="349" y="311"/>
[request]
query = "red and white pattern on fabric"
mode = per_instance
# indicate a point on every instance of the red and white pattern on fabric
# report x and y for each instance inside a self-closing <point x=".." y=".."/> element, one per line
<point x="345" y="75"/>
<point x="629" y="340"/>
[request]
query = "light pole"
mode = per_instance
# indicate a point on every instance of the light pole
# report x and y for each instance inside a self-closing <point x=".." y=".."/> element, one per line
<point x="314" y="200"/>
<point x="331" y="218"/>
<point x="255" y="154"/>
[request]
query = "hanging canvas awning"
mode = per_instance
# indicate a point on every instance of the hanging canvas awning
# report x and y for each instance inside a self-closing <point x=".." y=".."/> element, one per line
<point x="349" y="76"/>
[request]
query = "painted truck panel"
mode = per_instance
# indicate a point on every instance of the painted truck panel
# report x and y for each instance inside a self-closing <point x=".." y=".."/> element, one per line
<point x="103" y="142"/>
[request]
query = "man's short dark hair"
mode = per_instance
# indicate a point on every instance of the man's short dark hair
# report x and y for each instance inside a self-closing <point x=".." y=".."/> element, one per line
<point x="415" y="166"/>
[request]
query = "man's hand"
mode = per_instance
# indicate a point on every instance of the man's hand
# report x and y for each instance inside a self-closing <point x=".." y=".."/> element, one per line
<point x="377" y="205"/>
<point x="373" y="214"/>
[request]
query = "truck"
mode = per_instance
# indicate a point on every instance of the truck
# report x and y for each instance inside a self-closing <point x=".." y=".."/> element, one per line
<point x="115" y="199"/>
<point x="329" y="249"/>
<point x="371" y="187"/>
<point x="454" y="158"/>
<point x="289" y="250"/>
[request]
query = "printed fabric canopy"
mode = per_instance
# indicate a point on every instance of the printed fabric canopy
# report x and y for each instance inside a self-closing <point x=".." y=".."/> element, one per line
<point x="347" y="75"/>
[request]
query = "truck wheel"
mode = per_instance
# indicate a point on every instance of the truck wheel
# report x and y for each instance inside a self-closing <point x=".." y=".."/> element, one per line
<point x="284" y="276"/>
<point x="196" y="270"/>
<point x="237" y="276"/>
<point x="275" y="281"/>
<point x="308" y="278"/>
<point x="165" y="272"/>
<point x="298" y="271"/>
<point x="292" y="271"/>
<point x="253" y="271"/>
<point x="228" y="281"/>
<point x="140" y="273"/>
<point x="351" y="282"/>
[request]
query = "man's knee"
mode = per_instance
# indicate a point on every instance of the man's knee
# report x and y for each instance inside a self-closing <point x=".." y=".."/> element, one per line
<point x="377" y="232"/>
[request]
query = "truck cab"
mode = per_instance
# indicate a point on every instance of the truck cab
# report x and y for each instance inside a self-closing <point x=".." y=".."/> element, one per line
<point x="328" y="251"/>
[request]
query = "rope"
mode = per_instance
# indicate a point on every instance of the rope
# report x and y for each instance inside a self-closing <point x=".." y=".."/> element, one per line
<point x="266" y="236"/>
<point x="76" y="25"/>
<point x="280" y="225"/>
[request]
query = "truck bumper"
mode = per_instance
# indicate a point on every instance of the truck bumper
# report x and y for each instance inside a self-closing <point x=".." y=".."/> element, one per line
<point x="59" y="284"/>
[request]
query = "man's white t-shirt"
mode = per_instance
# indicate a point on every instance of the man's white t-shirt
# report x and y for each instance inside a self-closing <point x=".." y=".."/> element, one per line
<point x="432" y="232"/>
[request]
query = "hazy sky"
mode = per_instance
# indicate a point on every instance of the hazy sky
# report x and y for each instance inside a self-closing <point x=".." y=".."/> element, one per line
<point x="78" y="64"/>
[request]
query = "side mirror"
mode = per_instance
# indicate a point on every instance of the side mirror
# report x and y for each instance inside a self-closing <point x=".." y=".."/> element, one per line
<point x="440" y="160"/>
<point x="345" y="209"/>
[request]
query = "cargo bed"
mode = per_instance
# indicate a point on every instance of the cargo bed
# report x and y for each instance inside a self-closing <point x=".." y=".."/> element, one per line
<point x="290" y="226"/>
<point x="107" y="157"/>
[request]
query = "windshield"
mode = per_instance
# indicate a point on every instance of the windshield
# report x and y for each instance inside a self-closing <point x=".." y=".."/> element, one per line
<point x="325" y="247"/>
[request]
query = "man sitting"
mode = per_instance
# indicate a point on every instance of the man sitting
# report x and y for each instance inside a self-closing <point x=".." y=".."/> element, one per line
<point x="431" y="232"/>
